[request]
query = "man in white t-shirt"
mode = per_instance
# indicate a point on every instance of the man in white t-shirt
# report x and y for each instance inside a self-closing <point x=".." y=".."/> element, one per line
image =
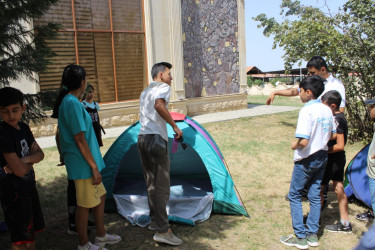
<point x="316" y="66"/>
<point x="153" y="149"/>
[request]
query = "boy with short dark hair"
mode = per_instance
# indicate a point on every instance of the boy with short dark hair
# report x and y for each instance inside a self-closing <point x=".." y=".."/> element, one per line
<point x="336" y="162"/>
<point x="18" y="153"/>
<point x="315" y="127"/>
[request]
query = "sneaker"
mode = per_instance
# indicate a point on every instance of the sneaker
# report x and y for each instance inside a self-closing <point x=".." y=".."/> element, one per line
<point x="312" y="240"/>
<point x="167" y="238"/>
<point x="294" y="241"/>
<point x="90" y="246"/>
<point x="339" y="228"/>
<point x="107" y="239"/>
<point x="365" y="216"/>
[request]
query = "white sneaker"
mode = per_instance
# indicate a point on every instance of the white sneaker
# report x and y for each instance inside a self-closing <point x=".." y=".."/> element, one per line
<point x="107" y="239"/>
<point x="90" y="246"/>
<point x="167" y="238"/>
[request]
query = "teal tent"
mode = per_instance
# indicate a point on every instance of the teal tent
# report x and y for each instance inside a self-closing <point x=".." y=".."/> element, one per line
<point x="200" y="181"/>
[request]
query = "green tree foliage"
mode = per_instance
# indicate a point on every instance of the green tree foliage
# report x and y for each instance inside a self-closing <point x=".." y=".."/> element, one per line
<point x="23" y="50"/>
<point x="345" y="39"/>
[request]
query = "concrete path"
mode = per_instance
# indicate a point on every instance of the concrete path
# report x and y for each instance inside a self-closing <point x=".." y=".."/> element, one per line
<point x="252" y="110"/>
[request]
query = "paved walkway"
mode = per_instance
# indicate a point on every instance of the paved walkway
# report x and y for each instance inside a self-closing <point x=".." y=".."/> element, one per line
<point x="252" y="110"/>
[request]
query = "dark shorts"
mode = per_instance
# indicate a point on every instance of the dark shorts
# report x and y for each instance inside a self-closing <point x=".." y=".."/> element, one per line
<point x="335" y="168"/>
<point x="22" y="212"/>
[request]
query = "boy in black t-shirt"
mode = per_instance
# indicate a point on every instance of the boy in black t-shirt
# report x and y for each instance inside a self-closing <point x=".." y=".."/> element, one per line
<point x="18" y="152"/>
<point x="336" y="162"/>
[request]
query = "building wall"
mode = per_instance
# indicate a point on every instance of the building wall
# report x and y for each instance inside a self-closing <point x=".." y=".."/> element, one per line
<point x="205" y="42"/>
<point x="211" y="47"/>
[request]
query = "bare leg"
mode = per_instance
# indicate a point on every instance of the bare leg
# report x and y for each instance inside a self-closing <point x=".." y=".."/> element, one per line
<point x="98" y="213"/>
<point x="82" y="216"/>
<point x="342" y="200"/>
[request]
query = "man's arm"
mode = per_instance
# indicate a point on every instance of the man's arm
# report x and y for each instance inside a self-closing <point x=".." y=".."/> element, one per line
<point x="86" y="153"/>
<point x="300" y="143"/>
<point x="284" y="92"/>
<point x="163" y="112"/>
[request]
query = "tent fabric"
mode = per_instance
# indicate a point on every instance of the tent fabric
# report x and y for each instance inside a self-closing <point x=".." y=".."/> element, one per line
<point x="356" y="179"/>
<point x="198" y="172"/>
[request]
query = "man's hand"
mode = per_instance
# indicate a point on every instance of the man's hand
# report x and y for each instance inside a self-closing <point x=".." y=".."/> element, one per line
<point x="178" y="132"/>
<point x="372" y="157"/>
<point x="270" y="99"/>
<point x="97" y="177"/>
<point x="294" y="145"/>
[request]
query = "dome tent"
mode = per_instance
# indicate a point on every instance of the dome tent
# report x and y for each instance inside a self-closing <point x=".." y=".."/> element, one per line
<point x="356" y="179"/>
<point x="200" y="181"/>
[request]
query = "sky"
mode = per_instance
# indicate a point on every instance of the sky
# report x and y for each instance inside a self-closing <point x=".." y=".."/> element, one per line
<point x="259" y="50"/>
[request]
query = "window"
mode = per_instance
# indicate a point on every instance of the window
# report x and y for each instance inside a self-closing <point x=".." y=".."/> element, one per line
<point x="107" y="38"/>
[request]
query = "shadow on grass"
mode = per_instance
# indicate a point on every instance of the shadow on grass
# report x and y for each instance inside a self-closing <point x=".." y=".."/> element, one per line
<point x="288" y="124"/>
<point x="53" y="201"/>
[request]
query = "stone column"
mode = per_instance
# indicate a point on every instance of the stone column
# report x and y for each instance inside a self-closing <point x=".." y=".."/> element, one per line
<point x="242" y="45"/>
<point x="164" y="40"/>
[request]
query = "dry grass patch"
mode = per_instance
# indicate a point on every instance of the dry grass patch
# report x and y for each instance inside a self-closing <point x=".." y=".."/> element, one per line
<point x="257" y="151"/>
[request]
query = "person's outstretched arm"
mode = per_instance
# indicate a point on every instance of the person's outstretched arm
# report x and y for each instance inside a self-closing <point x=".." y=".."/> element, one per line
<point x="163" y="112"/>
<point x="284" y="92"/>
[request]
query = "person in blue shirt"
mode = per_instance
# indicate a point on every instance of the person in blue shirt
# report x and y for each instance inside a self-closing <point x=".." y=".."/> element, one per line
<point x="82" y="157"/>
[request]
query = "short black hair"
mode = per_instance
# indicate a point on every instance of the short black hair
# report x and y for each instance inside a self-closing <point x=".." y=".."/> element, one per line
<point x="332" y="97"/>
<point x="159" y="67"/>
<point x="317" y="62"/>
<point x="10" y="96"/>
<point x="313" y="83"/>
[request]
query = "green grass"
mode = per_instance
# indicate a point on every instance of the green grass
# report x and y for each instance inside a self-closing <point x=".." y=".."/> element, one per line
<point x="257" y="151"/>
<point x="278" y="101"/>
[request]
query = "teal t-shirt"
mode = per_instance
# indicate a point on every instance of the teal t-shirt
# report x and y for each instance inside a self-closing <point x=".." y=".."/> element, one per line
<point x="73" y="119"/>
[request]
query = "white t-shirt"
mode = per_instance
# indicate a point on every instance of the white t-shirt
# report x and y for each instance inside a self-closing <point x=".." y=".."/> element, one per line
<point x="151" y="121"/>
<point x="371" y="162"/>
<point x="332" y="83"/>
<point x="316" y="124"/>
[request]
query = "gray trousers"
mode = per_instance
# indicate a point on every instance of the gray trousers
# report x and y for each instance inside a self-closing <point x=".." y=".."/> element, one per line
<point x="153" y="150"/>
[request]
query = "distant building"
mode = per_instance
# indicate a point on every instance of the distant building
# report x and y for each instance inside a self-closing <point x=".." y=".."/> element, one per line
<point x="294" y="75"/>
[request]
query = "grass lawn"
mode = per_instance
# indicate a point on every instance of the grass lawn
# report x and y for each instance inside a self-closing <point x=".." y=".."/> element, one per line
<point x="257" y="151"/>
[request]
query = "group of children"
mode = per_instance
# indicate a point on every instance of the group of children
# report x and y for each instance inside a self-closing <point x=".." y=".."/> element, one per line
<point x="81" y="154"/>
<point x="319" y="157"/>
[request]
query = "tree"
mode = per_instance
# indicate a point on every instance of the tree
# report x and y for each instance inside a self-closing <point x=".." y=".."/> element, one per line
<point x="346" y="40"/>
<point x="23" y="50"/>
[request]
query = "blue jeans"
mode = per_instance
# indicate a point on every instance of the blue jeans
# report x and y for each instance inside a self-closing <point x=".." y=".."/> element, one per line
<point x="371" y="184"/>
<point x="308" y="171"/>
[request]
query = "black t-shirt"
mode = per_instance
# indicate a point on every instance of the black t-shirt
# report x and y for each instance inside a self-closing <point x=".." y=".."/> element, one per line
<point x="16" y="141"/>
<point x="342" y="128"/>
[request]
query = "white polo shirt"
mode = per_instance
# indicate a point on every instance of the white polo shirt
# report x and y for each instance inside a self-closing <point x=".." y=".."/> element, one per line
<point x="332" y="83"/>
<point x="151" y="121"/>
<point x="316" y="124"/>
